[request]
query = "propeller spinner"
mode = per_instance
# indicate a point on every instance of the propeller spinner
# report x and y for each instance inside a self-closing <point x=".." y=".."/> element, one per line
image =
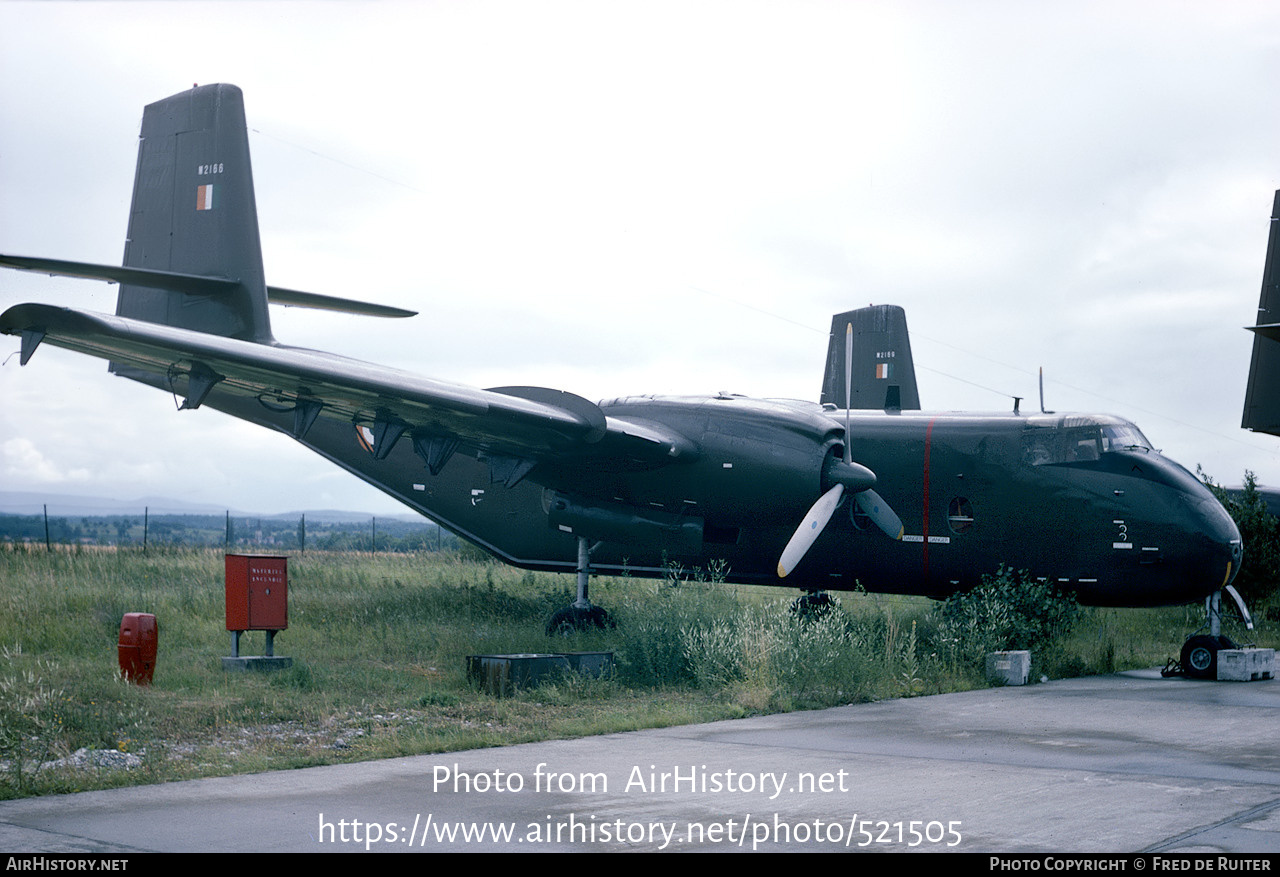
<point x="845" y="474"/>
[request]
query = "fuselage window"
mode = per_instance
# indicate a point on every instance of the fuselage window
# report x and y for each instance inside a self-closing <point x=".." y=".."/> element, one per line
<point x="960" y="515"/>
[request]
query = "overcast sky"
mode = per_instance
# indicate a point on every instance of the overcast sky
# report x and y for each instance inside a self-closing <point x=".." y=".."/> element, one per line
<point x="613" y="197"/>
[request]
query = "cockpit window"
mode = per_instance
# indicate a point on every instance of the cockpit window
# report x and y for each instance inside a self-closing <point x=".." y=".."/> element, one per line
<point x="1124" y="437"/>
<point x="1078" y="438"/>
<point x="1083" y="445"/>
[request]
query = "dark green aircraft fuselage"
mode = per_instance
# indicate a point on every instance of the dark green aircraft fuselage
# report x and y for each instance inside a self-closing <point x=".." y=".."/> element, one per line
<point x="1080" y="500"/>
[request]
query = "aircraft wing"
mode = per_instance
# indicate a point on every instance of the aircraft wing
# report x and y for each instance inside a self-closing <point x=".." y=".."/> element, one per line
<point x="520" y="425"/>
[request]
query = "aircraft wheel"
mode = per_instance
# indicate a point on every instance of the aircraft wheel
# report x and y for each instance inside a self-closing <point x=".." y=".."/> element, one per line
<point x="812" y="606"/>
<point x="1200" y="657"/>
<point x="571" y="619"/>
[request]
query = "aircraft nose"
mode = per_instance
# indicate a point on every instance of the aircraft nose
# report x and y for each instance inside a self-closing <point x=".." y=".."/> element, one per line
<point x="1222" y="530"/>
<point x="1237" y="555"/>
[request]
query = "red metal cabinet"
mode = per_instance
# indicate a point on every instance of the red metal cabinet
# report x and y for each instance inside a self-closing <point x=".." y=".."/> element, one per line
<point x="257" y="592"/>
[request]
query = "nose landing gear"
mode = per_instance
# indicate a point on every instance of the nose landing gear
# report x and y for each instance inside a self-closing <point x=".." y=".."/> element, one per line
<point x="1200" y="655"/>
<point x="1199" y="658"/>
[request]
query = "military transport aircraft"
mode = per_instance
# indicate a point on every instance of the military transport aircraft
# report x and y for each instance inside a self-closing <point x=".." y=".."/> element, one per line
<point x="860" y="489"/>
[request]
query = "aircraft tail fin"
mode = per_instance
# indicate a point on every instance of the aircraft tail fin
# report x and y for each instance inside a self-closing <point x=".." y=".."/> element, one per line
<point x="1262" y="398"/>
<point x="192" y="258"/>
<point x="884" y="376"/>
<point x="194" y="216"/>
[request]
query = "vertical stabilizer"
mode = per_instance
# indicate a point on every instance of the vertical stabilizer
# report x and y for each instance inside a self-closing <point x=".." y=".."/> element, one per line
<point x="884" y="376"/>
<point x="1262" y="398"/>
<point x="194" y="213"/>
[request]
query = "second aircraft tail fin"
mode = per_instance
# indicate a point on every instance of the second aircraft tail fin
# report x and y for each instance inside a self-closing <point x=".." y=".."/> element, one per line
<point x="1262" y="398"/>
<point x="884" y="376"/>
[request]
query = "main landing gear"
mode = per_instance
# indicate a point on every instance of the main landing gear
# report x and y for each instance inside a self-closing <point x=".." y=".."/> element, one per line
<point x="812" y="605"/>
<point x="1199" y="658"/>
<point x="581" y="615"/>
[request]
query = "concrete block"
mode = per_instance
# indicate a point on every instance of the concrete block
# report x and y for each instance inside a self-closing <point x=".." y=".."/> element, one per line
<point x="1246" y="665"/>
<point x="1009" y="668"/>
<point x="256" y="663"/>
<point x="505" y="674"/>
<point x="594" y="665"/>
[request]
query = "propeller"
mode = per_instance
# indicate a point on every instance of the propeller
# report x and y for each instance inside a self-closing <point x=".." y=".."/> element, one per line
<point x="845" y="474"/>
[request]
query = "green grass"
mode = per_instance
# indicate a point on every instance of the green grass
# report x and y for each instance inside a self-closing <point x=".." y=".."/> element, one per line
<point x="379" y="645"/>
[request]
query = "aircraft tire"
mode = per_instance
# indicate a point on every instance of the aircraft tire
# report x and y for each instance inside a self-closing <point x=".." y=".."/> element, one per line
<point x="571" y="619"/>
<point x="1200" y="656"/>
<point x="813" y="607"/>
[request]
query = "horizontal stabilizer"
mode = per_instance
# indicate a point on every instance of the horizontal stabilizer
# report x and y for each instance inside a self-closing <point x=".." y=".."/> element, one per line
<point x="292" y="298"/>
<point x="1271" y="330"/>
<point x="196" y="284"/>
<point x="193" y="284"/>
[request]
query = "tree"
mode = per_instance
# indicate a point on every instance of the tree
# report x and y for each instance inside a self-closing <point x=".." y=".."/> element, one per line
<point x="1260" y="531"/>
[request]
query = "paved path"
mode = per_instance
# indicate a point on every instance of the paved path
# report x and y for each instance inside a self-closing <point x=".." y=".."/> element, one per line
<point x="1122" y="763"/>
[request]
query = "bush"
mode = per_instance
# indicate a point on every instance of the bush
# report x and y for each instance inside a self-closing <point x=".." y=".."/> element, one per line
<point x="1008" y="610"/>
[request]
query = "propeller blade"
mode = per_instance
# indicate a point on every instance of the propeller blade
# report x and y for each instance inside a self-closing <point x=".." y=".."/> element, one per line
<point x="809" y="530"/>
<point x="880" y="514"/>
<point x="845" y="473"/>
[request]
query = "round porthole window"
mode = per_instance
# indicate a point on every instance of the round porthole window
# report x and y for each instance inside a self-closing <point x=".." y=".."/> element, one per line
<point x="960" y="515"/>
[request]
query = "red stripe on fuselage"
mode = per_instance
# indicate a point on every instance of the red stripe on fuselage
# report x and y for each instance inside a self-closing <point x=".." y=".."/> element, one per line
<point x="928" y="445"/>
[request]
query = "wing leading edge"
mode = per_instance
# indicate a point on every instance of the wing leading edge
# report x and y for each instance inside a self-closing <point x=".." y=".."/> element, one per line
<point x="527" y="424"/>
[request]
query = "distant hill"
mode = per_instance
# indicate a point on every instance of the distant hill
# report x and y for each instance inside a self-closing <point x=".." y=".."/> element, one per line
<point x="90" y="520"/>
<point x="62" y="505"/>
